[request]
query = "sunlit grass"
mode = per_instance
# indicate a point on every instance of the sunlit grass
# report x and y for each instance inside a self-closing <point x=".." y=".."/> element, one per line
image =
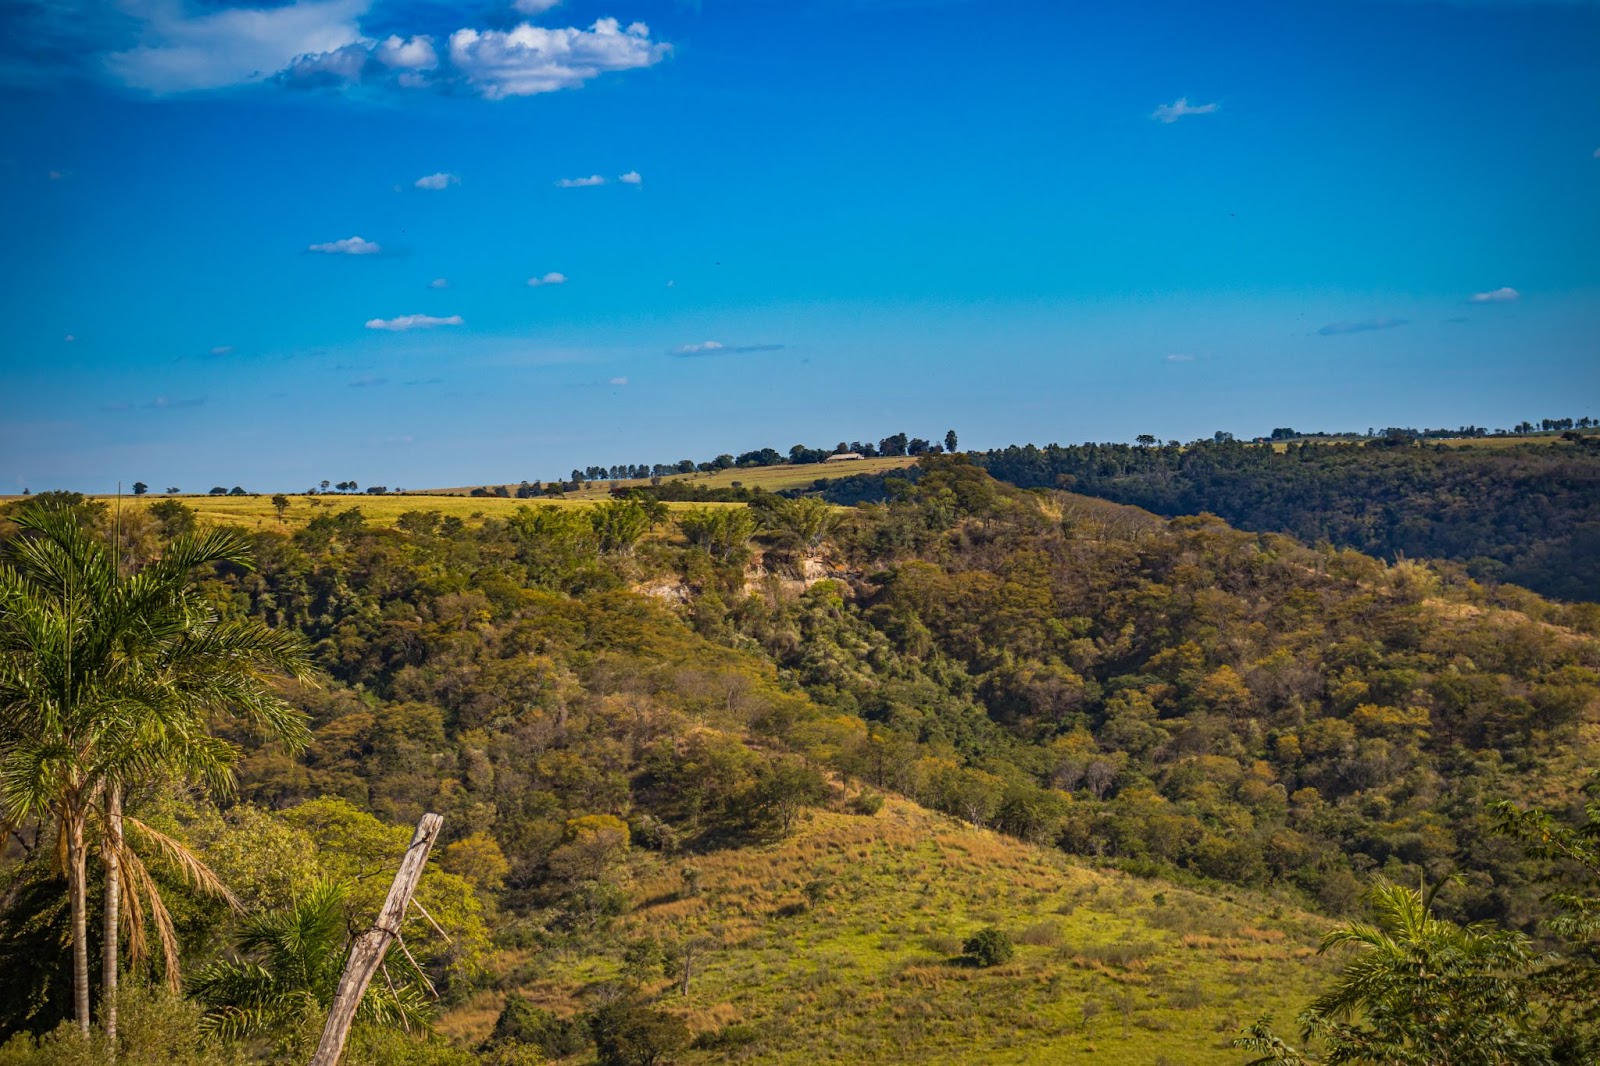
<point x="869" y="972"/>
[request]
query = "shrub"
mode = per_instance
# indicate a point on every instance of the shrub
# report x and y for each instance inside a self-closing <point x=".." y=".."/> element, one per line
<point x="866" y="803"/>
<point x="631" y="1034"/>
<point x="1041" y="934"/>
<point x="988" y="947"/>
<point x="523" y="1023"/>
<point x="729" y="1037"/>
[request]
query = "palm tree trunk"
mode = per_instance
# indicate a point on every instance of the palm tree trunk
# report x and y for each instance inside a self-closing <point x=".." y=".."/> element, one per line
<point x="77" y="871"/>
<point x="111" y="936"/>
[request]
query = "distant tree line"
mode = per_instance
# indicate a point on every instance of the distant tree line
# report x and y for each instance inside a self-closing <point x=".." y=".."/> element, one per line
<point x="1528" y="515"/>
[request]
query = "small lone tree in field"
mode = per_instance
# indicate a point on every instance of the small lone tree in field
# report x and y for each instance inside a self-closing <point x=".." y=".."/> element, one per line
<point x="988" y="947"/>
<point x="280" y="503"/>
<point x="140" y="488"/>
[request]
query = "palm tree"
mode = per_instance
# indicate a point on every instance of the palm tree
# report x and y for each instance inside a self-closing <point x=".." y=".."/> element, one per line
<point x="292" y="960"/>
<point x="1422" y="990"/>
<point x="108" y="679"/>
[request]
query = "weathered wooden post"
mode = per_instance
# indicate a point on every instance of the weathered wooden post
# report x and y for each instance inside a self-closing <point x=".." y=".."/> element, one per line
<point x="367" y="952"/>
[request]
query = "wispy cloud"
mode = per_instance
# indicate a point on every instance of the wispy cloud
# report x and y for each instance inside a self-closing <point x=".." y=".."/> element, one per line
<point x="231" y="46"/>
<point x="439" y="283"/>
<point x="348" y="246"/>
<point x="631" y="178"/>
<point x="160" y="403"/>
<point x="617" y="381"/>
<point x="1181" y="107"/>
<point x="368" y="381"/>
<point x="535" y="7"/>
<point x="555" y="277"/>
<point x="405" y="322"/>
<point x="718" y="348"/>
<point x="437" y="181"/>
<point x="1179" y="357"/>
<point x="580" y="183"/>
<point x="69" y="338"/>
<point x="221" y="350"/>
<point x="1504" y="294"/>
<point x="1366" y="325"/>
<point x="532" y="59"/>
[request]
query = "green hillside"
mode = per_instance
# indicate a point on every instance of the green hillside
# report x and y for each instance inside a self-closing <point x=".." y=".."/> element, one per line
<point x="1158" y="756"/>
<point x="842" y="944"/>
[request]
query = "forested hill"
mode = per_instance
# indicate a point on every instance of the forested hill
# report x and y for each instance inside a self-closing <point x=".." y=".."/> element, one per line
<point x="621" y="711"/>
<point x="1528" y="514"/>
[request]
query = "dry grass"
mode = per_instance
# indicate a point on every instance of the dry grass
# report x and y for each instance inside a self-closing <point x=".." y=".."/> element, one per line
<point x="771" y="478"/>
<point x="257" y="512"/>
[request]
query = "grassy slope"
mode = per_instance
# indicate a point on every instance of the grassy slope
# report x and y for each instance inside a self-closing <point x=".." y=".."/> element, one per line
<point x="869" y="973"/>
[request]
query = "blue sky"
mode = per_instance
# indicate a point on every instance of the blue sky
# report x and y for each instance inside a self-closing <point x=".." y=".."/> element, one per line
<point x="267" y="245"/>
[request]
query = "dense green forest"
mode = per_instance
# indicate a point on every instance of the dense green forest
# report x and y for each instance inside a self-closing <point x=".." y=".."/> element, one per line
<point x="1528" y="514"/>
<point x="612" y="707"/>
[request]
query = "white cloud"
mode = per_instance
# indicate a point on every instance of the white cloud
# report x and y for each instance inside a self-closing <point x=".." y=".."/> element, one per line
<point x="532" y="59"/>
<point x="703" y="348"/>
<point x="348" y="246"/>
<point x="439" y="283"/>
<point x="231" y="46"/>
<point x="555" y="277"/>
<point x="69" y="338"/>
<point x="415" y="54"/>
<point x="1179" y="357"/>
<point x="437" y="181"/>
<point x="404" y="322"/>
<point x="617" y="381"/>
<point x="1180" y="107"/>
<point x="1504" y="294"/>
<point x="631" y="178"/>
<point x="580" y="183"/>
<point x="534" y="7"/>
<point x="221" y="350"/>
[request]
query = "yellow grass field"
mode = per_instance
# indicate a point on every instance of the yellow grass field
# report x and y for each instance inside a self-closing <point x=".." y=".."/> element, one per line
<point x="771" y="478"/>
<point x="256" y="512"/>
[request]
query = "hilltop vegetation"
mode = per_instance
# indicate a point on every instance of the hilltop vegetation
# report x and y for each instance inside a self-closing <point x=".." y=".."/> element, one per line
<point x="660" y="742"/>
<point x="1525" y="513"/>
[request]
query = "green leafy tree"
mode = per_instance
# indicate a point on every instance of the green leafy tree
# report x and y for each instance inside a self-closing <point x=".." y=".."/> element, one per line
<point x="109" y="679"/>
<point x="723" y="532"/>
<point x="140" y="488"/>
<point x="631" y="1034"/>
<point x="1570" y="987"/>
<point x="804" y="522"/>
<point x="619" y="524"/>
<point x="289" y="971"/>
<point x="280" y="504"/>
<point x="1420" y="990"/>
<point x="988" y="947"/>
